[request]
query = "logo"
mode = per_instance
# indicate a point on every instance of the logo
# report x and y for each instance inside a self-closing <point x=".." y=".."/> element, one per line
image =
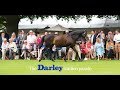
<point x="53" y="67"/>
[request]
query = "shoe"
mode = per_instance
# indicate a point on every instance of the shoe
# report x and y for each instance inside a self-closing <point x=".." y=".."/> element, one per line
<point x="85" y="58"/>
<point x="20" y="55"/>
<point x="28" y="58"/>
<point x="39" y="60"/>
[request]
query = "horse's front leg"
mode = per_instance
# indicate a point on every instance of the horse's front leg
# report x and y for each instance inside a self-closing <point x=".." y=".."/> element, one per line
<point x="51" y="53"/>
<point x="74" y="54"/>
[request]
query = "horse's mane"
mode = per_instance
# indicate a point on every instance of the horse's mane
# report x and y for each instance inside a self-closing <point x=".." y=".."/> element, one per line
<point x="76" y="32"/>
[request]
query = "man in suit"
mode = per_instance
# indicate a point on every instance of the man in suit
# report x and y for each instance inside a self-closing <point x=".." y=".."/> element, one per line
<point x="93" y="37"/>
<point x="93" y="40"/>
<point x="21" y="37"/>
<point x="1" y="40"/>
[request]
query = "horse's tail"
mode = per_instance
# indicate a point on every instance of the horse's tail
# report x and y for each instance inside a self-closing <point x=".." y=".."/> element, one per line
<point x="42" y="41"/>
<point x="53" y="41"/>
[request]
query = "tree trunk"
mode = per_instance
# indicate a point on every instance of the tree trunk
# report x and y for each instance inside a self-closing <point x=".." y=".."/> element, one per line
<point x="12" y="23"/>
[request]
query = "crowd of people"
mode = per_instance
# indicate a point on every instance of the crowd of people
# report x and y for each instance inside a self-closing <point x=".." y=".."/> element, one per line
<point x="101" y="46"/>
<point x="26" y="45"/>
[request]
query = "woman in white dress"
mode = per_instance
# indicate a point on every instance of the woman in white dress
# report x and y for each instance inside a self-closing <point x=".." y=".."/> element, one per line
<point x="4" y="47"/>
<point x="12" y="49"/>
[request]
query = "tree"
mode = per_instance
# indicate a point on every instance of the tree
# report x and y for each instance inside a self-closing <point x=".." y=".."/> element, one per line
<point x="11" y="21"/>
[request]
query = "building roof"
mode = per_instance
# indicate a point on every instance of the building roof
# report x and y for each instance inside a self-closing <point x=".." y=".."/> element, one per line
<point x="107" y="23"/>
<point x="58" y="28"/>
<point x="30" y="27"/>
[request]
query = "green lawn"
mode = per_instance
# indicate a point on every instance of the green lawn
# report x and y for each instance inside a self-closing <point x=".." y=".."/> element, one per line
<point x="30" y="67"/>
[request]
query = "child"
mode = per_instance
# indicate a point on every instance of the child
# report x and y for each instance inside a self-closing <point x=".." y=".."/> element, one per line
<point x="26" y="49"/>
<point x="89" y="48"/>
<point x="84" y="50"/>
<point x="70" y="54"/>
<point x="110" y="49"/>
<point x="99" y="48"/>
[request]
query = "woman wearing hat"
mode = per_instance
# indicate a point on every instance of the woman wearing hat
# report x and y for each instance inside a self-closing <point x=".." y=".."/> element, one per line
<point x="4" y="47"/>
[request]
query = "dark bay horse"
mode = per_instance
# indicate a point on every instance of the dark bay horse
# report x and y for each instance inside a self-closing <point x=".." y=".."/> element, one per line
<point x="66" y="40"/>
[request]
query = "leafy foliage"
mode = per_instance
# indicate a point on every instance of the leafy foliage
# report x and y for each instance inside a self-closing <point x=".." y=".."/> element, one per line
<point x="3" y="20"/>
<point x="11" y="21"/>
<point x="62" y="17"/>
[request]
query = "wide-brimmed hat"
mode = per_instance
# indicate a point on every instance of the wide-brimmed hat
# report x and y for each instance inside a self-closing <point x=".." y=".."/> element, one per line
<point x="30" y="31"/>
<point x="56" y="32"/>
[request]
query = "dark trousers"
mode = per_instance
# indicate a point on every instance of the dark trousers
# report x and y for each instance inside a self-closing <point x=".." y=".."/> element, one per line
<point x="54" y="55"/>
<point x="110" y="54"/>
<point x="11" y="54"/>
<point x="49" y="53"/>
<point x="82" y="56"/>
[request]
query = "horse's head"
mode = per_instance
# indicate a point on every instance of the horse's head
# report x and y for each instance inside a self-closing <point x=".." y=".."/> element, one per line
<point x="78" y="34"/>
<point x="84" y="34"/>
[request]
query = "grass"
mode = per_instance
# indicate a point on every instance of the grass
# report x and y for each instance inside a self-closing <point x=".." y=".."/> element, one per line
<point x="30" y="67"/>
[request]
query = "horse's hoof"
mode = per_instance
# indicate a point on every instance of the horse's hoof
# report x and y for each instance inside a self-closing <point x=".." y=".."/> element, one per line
<point x="81" y="60"/>
<point x="39" y="60"/>
<point x="53" y="60"/>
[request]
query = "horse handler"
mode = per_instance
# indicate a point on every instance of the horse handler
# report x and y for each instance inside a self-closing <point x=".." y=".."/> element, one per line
<point x="77" y="49"/>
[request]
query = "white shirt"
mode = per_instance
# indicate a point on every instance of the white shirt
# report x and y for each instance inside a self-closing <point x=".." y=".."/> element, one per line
<point x="4" y="46"/>
<point x="2" y="38"/>
<point x="31" y="38"/>
<point x="13" y="46"/>
<point x="117" y="38"/>
<point x="92" y="38"/>
<point x="54" y="48"/>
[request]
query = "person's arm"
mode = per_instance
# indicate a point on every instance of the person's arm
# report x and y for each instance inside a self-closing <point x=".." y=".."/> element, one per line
<point x="35" y="39"/>
<point x="114" y="38"/>
<point x="113" y="45"/>
<point x="102" y="44"/>
<point x="107" y="45"/>
<point x="27" y="39"/>
<point x="86" y="46"/>
<point x="2" y="46"/>
<point x="23" y="46"/>
<point x="103" y="36"/>
<point x="94" y="48"/>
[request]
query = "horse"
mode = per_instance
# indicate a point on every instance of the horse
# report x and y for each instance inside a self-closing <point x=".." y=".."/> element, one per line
<point x="66" y="40"/>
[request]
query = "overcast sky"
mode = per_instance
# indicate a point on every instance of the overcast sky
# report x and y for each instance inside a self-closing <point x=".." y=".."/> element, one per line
<point x="53" y="21"/>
